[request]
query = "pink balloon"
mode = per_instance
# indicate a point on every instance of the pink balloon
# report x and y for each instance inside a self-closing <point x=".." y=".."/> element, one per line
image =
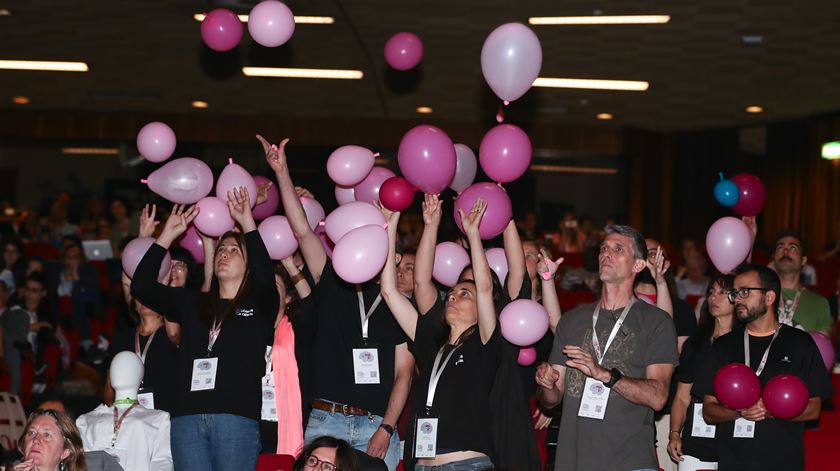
<point x="505" y="153"/>
<point x="183" y="181"/>
<point x="221" y="30"/>
<point x="368" y="189"/>
<point x="465" y="168"/>
<point x="278" y="237"/>
<point x="344" y="195"/>
<point x="269" y="206"/>
<point x="498" y="262"/>
<point x="350" y="216"/>
<point x="511" y="58"/>
<point x="314" y="211"/>
<point x="736" y="386"/>
<point x="523" y="322"/>
<point x="785" y="396"/>
<point x="271" y="23"/>
<point x="325" y="241"/>
<point x="527" y="356"/>
<point x="234" y="176"/>
<point x="728" y="243"/>
<point x="751" y="194"/>
<point x="427" y="158"/>
<point x="826" y="349"/>
<point x="156" y="142"/>
<point x="134" y="252"/>
<point x="349" y="165"/>
<point x="450" y="261"/>
<point x="360" y="255"/>
<point x="496" y="216"/>
<point x="403" y="51"/>
<point x="396" y="194"/>
<point x="213" y="217"/>
<point x="191" y="241"/>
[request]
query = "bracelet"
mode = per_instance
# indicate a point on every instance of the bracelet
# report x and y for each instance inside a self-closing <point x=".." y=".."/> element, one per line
<point x="676" y="431"/>
<point x="297" y="278"/>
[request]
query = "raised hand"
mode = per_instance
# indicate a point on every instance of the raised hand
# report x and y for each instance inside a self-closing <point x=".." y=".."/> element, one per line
<point x="147" y="221"/>
<point x="471" y="221"/>
<point x="546" y="267"/>
<point x="275" y="155"/>
<point x="262" y="192"/>
<point x="432" y="210"/>
<point x="749" y="221"/>
<point x="239" y="205"/>
<point x="176" y="224"/>
<point x="303" y="192"/>
<point x="392" y="218"/>
<point x="658" y="266"/>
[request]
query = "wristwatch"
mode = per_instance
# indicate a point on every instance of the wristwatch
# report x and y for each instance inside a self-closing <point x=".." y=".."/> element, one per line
<point x="615" y="375"/>
<point x="387" y="428"/>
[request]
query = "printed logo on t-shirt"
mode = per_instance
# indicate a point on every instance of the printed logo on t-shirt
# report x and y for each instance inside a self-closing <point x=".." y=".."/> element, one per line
<point x="245" y="312"/>
<point x="785" y="359"/>
<point x="460" y="360"/>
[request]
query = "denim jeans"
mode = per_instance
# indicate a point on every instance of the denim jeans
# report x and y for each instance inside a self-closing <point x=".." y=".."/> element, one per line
<point x="214" y="442"/>
<point x="470" y="464"/>
<point x="356" y="430"/>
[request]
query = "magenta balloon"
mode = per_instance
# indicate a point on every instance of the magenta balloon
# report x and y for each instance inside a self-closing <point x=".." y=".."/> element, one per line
<point x="234" y="176"/>
<point x="785" y="396"/>
<point x="523" y="322"/>
<point x="427" y="158"/>
<point x="466" y="167"/>
<point x="191" y="241"/>
<point x="368" y="189"/>
<point x="221" y="30"/>
<point x="826" y="349"/>
<point x="271" y="23"/>
<point x="527" y="356"/>
<point x="213" y="217"/>
<point x="736" y="386"/>
<point x="278" y="237"/>
<point x="511" y="59"/>
<point x="183" y="181"/>
<point x="403" y="51"/>
<point x="751" y="194"/>
<point x="156" y="142"/>
<point x="450" y="261"/>
<point x="350" y="216"/>
<point x="349" y="165"/>
<point x="498" y="262"/>
<point x="505" y="153"/>
<point x="360" y="255"/>
<point x="496" y="216"/>
<point x="269" y="206"/>
<point x="344" y="195"/>
<point x="728" y="243"/>
<point x="314" y="211"/>
<point x="134" y="252"/>
<point x="396" y="194"/>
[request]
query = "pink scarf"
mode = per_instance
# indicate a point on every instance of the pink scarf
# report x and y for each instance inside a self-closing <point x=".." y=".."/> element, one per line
<point x="287" y="390"/>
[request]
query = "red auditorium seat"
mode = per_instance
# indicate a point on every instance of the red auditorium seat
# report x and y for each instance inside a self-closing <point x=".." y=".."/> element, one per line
<point x="570" y="299"/>
<point x="571" y="260"/>
<point x="45" y="251"/>
<point x="267" y="462"/>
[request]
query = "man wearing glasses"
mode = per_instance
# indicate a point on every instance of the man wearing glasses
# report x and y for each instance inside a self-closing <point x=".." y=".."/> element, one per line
<point x="798" y="306"/>
<point x="752" y="439"/>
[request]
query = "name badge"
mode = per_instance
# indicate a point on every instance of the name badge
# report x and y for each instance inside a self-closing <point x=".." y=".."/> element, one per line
<point x="119" y="454"/>
<point x="744" y="428"/>
<point x="366" y="365"/>
<point x="701" y="429"/>
<point x="426" y="442"/>
<point x="593" y="401"/>
<point x="204" y="374"/>
<point x="146" y="399"/>
<point x="269" y="405"/>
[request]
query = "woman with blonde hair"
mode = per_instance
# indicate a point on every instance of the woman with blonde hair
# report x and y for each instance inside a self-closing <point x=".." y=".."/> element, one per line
<point x="51" y="442"/>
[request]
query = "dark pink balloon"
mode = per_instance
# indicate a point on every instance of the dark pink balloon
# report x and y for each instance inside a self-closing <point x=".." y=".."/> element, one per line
<point x="751" y="194"/>
<point x="527" y="356"/>
<point x="396" y="194"/>
<point x="269" y="206"/>
<point x="785" y="397"/>
<point x="221" y="30"/>
<point x="403" y="51"/>
<point x="826" y="349"/>
<point x="505" y="153"/>
<point x="496" y="216"/>
<point x="368" y="189"/>
<point x="193" y="243"/>
<point x="736" y="386"/>
<point x="427" y="158"/>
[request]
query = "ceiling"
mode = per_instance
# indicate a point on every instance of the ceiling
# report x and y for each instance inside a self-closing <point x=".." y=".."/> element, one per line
<point x="147" y="56"/>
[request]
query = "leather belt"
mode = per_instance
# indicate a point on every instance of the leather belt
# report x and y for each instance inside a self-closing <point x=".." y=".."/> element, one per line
<point x="342" y="408"/>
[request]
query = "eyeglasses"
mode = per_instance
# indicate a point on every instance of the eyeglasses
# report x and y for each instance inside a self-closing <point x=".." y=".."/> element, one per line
<point x="742" y="293"/>
<point x="313" y="462"/>
<point x="179" y="266"/>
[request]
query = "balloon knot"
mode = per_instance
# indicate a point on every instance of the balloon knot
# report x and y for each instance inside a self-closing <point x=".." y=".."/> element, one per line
<point x="376" y="155"/>
<point x="230" y="160"/>
<point x="144" y="181"/>
<point x="385" y="226"/>
<point x="322" y="223"/>
<point x="506" y="102"/>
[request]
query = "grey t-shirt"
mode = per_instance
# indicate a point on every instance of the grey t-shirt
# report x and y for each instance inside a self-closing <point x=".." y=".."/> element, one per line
<point x="625" y="439"/>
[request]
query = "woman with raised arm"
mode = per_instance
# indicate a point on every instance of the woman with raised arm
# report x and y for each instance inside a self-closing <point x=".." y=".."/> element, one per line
<point x="224" y="332"/>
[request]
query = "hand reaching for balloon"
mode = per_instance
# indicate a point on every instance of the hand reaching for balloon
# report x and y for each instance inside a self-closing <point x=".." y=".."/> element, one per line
<point x="658" y="266"/>
<point x="472" y="221"/>
<point x="147" y="221"/>
<point x="432" y="210"/>
<point x="176" y="224"/>
<point x="546" y="267"/>
<point x="239" y="205"/>
<point x="275" y="155"/>
<point x="303" y="192"/>
<point x="262" y="192"/>
<point x="749" y="221"/>
<point x="392" y="218"/>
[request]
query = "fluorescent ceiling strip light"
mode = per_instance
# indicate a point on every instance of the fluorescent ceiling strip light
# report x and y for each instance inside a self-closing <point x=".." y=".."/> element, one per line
<point x="567" y="169"/>
<point x="301" y="20"/>
<point x="90" y="151"/>
<point x="50" y="66"/>
<point x="592" y="84"/>
<point x="599" y="20"/>
<point x="303" y="73"/>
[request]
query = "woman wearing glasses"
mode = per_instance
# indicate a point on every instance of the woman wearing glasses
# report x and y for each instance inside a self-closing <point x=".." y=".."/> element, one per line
<point x="326" y="454"/>
<point x="51" y="442"/>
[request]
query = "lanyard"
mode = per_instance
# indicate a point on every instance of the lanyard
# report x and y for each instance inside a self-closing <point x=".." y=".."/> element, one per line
<point x="365" y="316"/>
<point x="142" y="354"/>
<point x="118" y="422"/>
<point x="437" y="371"/>
<point x="786" y="316"/>
<point x="595" y="343"/>
<point x="213" y="335"/>
<point x="766" y="351"/>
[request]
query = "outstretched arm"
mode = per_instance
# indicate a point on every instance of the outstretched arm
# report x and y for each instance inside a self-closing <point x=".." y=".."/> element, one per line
<point x="515" y="259"/>
<point x="425" y="292"/>
<point x="481" y="271"/>
<point x="547" y="270"/>
<point x="657" y="268"/>
<point x="400" y="306"/>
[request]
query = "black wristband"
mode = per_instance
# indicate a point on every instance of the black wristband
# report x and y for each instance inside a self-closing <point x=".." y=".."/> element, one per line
<point x="387" y="428"/>
<point x="615" y="376"/>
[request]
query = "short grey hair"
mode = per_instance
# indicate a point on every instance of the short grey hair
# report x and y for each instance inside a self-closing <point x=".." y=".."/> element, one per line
<point x="639" y="245"/>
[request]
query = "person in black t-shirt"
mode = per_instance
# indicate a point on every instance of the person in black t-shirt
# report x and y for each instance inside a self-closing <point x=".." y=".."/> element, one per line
<point x="773" y="349"/>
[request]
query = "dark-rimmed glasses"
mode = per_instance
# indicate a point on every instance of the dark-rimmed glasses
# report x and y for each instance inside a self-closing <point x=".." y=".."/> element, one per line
<point x="313" y="462"/>
<point x="741" y="293"/>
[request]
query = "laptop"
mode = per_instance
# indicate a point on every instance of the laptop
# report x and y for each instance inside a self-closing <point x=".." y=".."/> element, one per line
<point x="97" y="249"/>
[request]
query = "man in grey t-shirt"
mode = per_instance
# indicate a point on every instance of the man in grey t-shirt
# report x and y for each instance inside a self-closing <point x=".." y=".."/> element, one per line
<point x="608" y="405"/>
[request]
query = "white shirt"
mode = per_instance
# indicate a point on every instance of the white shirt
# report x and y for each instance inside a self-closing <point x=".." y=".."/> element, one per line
<point x="143" y="437"/>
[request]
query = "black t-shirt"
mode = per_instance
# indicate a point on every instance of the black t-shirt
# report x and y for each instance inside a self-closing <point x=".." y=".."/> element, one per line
<point x="686" y="325"/>
<point x="339" y="331"/>
<point x="777" y="444"/>
<point x="160" y="368"/>
<point x="240" y="346"/>
<point x="692" y="361"/>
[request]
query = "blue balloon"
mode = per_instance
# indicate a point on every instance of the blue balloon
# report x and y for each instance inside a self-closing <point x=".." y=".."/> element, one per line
<point x="727" y="193"/>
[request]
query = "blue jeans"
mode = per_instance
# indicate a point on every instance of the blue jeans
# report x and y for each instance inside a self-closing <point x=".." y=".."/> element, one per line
<point x="470" y="464"/>
<point x="214" y="442"/>
<point x="356" y="430"/>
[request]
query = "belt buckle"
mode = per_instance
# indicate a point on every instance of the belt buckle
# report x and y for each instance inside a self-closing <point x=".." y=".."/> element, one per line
<point x="344" y="408"/>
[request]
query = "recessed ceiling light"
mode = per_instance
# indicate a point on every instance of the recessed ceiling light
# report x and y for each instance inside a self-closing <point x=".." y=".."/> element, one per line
<point x="301" y="20"/>
<point x="51" y="66"/>
<point x="5" y="12"/>
<point x="592" y="84"/>
<point x="200" y="104"/>
<point x="424" y="109"/>
<point x="570" y="169"/>
<point x="599" y="20"/>
<point x="754" y="109"/>
<point x="21" y="100"/>
<point x="604" y="116"/>
<point x="302" y="73"/>
<point x="90" y="151"/>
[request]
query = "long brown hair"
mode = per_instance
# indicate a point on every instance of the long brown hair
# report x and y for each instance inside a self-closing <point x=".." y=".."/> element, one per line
<point x="69" y="433"/>
<point x="211" y="313"/>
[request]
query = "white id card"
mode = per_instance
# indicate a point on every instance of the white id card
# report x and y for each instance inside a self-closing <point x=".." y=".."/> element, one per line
<point x="120" y="454"/>
<point x="593" y="400"/>
<point x="269" y="406"/>
<point x="366" y="365"/>
<point x="744" y="428"/>
<point x="204" y="374"/>
<point x="701" y="429"/>
<point x="146" y="399"/>
<point x="426" y="442"/>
